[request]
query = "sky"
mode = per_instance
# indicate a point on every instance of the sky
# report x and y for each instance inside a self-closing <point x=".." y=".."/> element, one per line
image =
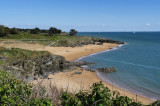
<point x="82" y="15"/>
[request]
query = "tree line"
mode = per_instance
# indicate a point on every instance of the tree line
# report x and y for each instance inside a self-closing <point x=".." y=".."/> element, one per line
<point x="52" y="31"/>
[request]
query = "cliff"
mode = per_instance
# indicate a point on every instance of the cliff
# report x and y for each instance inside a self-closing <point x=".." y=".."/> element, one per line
<point x="29" y="65"/>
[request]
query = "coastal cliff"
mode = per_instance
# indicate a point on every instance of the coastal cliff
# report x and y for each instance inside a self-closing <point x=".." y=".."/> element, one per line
<point x="30" y="65"/>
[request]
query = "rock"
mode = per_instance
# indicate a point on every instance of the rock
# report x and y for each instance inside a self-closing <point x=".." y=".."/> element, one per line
<point x="78" y="72"/>
<point x="103" y="40"/>
<point x="79" y="64"/>
<point x="100" y="43"/>
<point x="91" y="70"/>
<point x="85" y="68"/>
<point x="32" y="68"/>
<point x="41" y="66"/>
<point x="106" y="70"/>
<point x="2" y="58"/>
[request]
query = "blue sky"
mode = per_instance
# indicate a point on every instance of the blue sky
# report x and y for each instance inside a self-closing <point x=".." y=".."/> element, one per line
<point x="83" y="15"/>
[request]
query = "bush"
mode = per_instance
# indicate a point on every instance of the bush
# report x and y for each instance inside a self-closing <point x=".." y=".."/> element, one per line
<point x="98" y="95"/>
<point x="53" y="31"/>
<point x="73" y="32"/>
<point x="35" y="31"/>
<point x="15" y="92"/>
<point x="13" y="31"/>
<point x="4" y="31"/>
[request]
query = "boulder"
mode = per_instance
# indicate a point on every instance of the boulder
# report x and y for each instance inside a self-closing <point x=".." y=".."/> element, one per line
<point x="106" y="70"/>
<point x="79" y="64"/>
<point x="77" y="72"/>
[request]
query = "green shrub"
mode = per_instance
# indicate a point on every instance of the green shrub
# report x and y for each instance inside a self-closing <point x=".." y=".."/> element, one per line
<point x="98" y="95"/>
<point x="16" y="92"/>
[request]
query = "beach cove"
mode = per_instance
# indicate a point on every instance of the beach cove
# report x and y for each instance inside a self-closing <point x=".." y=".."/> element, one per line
<point x="67" y="79"/>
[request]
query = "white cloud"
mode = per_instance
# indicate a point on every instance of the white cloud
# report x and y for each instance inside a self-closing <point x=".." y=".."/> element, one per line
<point x="148" y="24"/>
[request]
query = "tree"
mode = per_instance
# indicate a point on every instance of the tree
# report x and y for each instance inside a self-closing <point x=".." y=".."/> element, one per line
<point x="35" y="31"/>
<point x="53" y="31"/>
<point x="44" y="31"/>
<point x="4" y="31"/>
<point x="58" y="31"/>
<point x="13" y="31"/>
<point x="73" y="32"/>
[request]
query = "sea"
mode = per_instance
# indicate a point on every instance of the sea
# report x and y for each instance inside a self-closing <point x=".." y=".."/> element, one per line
<point x="137" y="62"/>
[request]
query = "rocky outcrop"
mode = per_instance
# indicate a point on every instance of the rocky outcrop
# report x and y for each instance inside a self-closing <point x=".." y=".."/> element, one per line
<point x="78" y="64"/>
<point x="90" y="40"/>
<point x="106" y="70"/>
<point x="103" y="40"/>
<point x="30" y="65"/>
<point x="38" y="67"/>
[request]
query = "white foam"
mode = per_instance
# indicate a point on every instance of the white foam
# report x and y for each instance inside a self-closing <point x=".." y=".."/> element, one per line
<point x="115" y="48"/>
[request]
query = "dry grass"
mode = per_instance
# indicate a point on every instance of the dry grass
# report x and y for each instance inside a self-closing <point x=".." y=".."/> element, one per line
<point x="51" y="92"/>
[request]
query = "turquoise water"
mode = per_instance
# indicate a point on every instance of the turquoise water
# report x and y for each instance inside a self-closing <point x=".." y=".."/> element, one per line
<point x="137" y="62"/>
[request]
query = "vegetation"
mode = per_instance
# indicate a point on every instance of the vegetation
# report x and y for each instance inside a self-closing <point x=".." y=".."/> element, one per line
<point x="13" y="31"/>
<point x="97" y="96"/>
<point x="42" y="38"/>
<point x="51" y="37"/>
<point x="16" y="53"/>
<point x="35" y="31"/>
<point x="53" y="31"/>
<point x="5" y="31"/>
<point x="73" y="32"/>
<point x="15" y="92"/>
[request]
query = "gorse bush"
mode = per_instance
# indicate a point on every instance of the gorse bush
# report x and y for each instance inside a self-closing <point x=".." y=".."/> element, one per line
<point x="14" y="92"/>
<point x="97" y="96"/>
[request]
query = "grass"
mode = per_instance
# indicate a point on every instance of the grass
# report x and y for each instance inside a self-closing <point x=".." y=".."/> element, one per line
<point x="57" y="40"/>
<point x="26" y="35"/>
<point x="20" y="53"/>
<point x="1" y="62"/>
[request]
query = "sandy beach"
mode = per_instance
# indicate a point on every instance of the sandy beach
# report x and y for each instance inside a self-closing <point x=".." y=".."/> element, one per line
<point x="75" y="82"/>
<point x="70" y="53"/>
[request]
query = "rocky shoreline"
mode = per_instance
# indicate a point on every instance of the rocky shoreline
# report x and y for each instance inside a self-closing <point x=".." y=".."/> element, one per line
<point x="92" y="40"/>
<point x="30" y="65"/>
<point x="38" y="66"/>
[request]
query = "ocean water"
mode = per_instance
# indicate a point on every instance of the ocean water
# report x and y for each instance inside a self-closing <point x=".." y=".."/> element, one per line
<point x="137" y="62"/>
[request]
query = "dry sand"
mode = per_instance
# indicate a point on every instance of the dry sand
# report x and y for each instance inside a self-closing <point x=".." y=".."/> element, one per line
<point x="70" y="53"/>
<point x="77" y="81"/>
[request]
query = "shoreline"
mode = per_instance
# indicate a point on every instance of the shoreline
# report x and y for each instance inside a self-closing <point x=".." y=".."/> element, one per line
<point x="72" y="54"/>
<point x="120" y="89"/>
<point x="114" y="48"/>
